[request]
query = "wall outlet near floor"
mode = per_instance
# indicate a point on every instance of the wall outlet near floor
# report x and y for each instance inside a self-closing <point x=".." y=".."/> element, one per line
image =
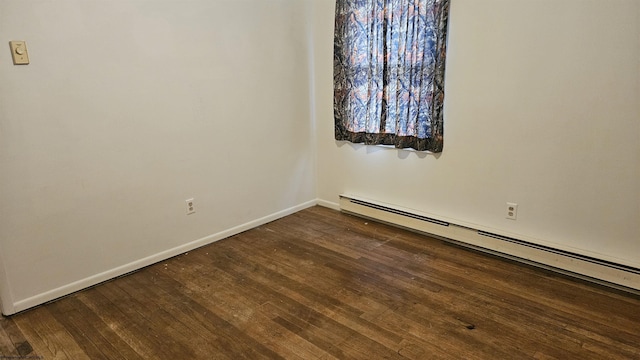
<point x="191" y="208"/>
<point x="512" y="211"/>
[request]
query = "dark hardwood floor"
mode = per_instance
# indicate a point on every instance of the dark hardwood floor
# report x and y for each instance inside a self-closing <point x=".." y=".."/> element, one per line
<point x="323" y="285"/>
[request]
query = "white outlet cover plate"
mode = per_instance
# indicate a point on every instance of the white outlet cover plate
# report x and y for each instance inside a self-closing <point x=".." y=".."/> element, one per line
<point x="512" y="211"/>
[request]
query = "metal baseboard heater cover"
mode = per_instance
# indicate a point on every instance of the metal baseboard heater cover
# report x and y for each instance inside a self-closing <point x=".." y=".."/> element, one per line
<point x="603" y="272"/>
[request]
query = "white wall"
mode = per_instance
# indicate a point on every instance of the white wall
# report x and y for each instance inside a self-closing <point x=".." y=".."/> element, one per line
<point x="542" y="109"/>
<point x="127" y="109"/>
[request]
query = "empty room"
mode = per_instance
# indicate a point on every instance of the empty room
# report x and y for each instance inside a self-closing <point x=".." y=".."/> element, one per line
<point x="320" y="179"/>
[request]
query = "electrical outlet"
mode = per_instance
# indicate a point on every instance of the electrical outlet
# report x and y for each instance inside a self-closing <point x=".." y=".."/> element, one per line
<point x="191" y="208"/>
<point x="512" y="211"/>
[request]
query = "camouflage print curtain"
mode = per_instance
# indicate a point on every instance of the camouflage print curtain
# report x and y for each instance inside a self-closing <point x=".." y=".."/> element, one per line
<point x="389" y="62"/>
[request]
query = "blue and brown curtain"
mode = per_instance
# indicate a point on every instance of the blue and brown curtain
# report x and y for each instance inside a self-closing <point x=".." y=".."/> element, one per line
<point x="389" y="65"/>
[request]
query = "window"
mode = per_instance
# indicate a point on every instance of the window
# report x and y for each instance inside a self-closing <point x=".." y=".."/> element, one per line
<point x="389" y="63"/>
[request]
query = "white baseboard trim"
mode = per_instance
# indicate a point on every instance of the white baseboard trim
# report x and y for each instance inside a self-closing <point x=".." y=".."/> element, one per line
<point x="67" y="289"/>
<point x="328" y="204"/>
<point x="6" y="297"/>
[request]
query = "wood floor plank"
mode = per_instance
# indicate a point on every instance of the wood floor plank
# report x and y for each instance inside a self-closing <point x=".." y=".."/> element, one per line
<point x="251" y="328"/>
<point x="254" y="331"/>
<point x="467" y="275"/>
<point x="117" y="312"/>
<point x="48" y="337"/>
<point x="14" y="341"/>
<point x="82" y="324"/>
<point x="288" y="300"/>
<point x="320" y="284"/>
<point x="291" y="247"/>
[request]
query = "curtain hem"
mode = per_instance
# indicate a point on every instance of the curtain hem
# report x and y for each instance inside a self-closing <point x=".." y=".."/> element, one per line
<point x="434" y="145"/>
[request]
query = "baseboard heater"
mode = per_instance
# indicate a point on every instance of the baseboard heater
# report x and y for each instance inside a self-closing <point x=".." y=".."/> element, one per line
<point x="622" y="277"/>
